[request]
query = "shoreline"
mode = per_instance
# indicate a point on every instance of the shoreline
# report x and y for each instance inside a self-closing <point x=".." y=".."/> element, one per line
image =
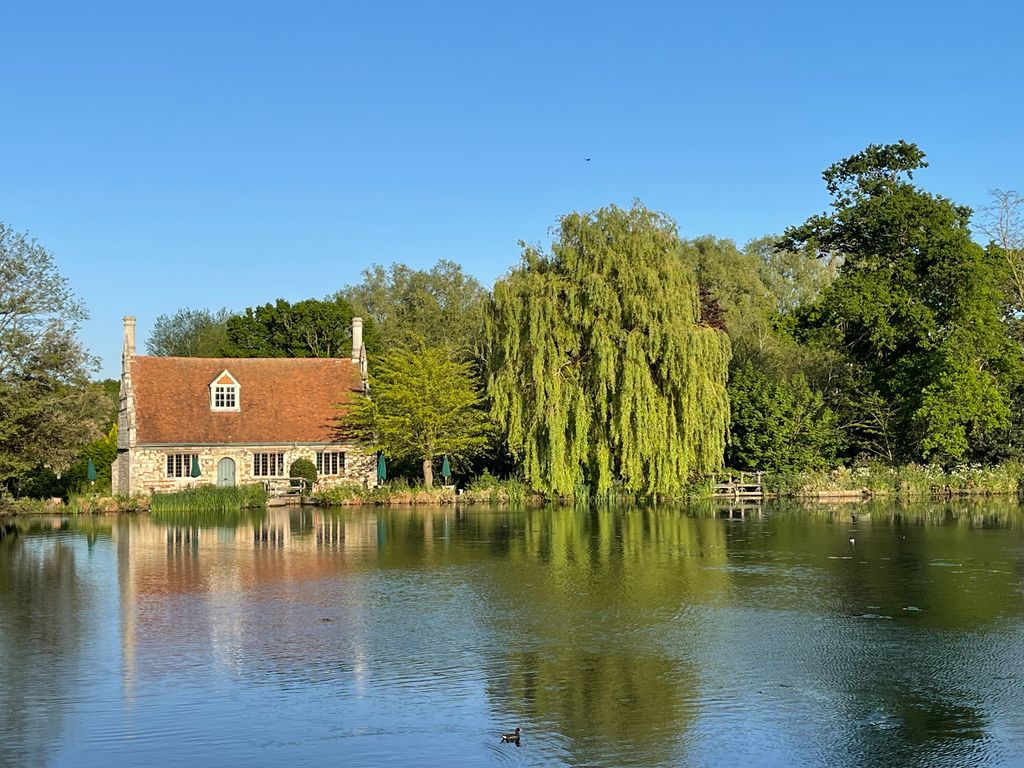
<point x="112" y="506"/>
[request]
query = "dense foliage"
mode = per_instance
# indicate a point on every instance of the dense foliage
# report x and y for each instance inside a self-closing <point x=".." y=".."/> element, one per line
<point x="915" y="315"/>
<point x="303" y="469"/>
<point x="413" y="308"/>
<point x="48" y="411"/>
<point x="423" y="405"/>
<point x="310" y="328"/>
<point x="779" y="423"/>
<point x="189" y="333"/>
<point x="602" y="373"/>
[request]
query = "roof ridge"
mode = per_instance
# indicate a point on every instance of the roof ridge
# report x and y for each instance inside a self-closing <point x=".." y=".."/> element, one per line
<point x="264" y="359"/>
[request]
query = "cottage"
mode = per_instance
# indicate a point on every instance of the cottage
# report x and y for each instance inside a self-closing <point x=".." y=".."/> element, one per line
<point x="244" y="420"/>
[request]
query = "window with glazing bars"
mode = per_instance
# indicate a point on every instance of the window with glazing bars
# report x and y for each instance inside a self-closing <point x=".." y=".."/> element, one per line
<point x="330" y="462"/>
<point x="179" y="464"/>
<point x="225" y="396"/>
<point x="268" y="465"/>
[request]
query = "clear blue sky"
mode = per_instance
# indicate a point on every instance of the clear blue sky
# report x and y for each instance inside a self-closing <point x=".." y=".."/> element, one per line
<point x="226" y="154"/>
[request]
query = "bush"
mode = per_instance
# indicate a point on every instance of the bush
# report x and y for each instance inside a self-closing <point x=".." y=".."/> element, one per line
<point x="304" y="469"/>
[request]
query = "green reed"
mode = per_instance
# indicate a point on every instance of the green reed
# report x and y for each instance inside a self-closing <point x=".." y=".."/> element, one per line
<point x="210" y="499"/>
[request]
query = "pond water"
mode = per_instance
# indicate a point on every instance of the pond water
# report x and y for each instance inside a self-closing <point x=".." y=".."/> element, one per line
<point x="612" y="637"/>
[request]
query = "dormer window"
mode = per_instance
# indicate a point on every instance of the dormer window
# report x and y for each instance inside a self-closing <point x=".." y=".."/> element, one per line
<point x="225" y="393"/>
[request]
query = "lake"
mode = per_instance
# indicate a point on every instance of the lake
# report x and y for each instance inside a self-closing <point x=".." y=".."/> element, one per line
<point x="684" y="636"/>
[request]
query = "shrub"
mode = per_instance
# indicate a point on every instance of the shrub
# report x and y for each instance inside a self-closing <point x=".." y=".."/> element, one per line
<point x="304" y="469"/>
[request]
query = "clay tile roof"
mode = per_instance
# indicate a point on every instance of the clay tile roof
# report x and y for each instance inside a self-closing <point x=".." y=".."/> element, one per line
<point x="283" y="400"/>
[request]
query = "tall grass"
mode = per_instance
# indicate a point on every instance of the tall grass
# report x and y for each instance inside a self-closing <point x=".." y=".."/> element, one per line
<point x="210" y="499"/>
<point x="485" y="489"/>
<point x="10" y="507"/>
<point x="91" y="503"/>
<point x="908" y="481"/>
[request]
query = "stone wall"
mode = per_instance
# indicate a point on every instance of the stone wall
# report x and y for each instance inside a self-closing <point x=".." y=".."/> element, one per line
<point x="149" y="466"/>
<point x="120" y="480"/>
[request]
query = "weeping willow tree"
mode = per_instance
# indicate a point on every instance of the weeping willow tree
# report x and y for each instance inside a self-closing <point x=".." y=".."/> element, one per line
<point x="603" y="372"/>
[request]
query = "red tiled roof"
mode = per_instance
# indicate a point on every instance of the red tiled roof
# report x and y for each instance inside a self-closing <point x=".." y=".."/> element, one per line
<point x="283" y="400"/>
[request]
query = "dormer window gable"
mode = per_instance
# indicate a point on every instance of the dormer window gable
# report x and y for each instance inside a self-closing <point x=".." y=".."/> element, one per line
<point x="225" y="393"/>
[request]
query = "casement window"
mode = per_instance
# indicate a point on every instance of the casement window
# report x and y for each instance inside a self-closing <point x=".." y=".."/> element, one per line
<point x="179" y="464"/>
<point x="225" y="393"/>
<point x="225" y="397"/>
<point x="330" y="462"/>
<point x="268" y="465"/>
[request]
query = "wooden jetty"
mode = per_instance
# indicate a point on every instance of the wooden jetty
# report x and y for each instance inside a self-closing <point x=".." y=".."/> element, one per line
<point x="739" y="485"/>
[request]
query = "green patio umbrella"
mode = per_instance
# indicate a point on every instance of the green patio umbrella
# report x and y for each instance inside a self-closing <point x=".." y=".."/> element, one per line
<point x="195" y="466"/>
<point x="382" y="468"/>
<point x="446" y="471"/>
<point x="90" y="472"/>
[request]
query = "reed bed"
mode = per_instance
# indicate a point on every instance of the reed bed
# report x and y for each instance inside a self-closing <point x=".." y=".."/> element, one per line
<point x="208" y="499"/>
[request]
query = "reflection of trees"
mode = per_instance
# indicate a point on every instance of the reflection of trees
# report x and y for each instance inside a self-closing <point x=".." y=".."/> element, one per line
<point x="43" y="610"/>
<point x="583" y="604"/>
<point x="629" y="705"/>
<point x="617" y="635"/>
<point x="902" y="648"/>
<point x="926" y="555"/>
<point x="918" y="732"/>
<point x="573" y="605"/>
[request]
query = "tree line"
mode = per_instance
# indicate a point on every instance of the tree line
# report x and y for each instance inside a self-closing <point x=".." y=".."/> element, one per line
<point x="625" y="357"/>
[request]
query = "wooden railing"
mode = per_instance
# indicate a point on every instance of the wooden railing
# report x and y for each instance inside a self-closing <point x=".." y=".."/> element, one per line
<point x="287" y="486"/>
<point x="737" y="485"/>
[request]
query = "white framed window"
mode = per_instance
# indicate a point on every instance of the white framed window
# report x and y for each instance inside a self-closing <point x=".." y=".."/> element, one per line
<point x="179" y="464"/>
<point x="225" y="393"/>
<point x="268" y="465"/>
<point x="330" y="462"/>
<point x="225" y="397"/>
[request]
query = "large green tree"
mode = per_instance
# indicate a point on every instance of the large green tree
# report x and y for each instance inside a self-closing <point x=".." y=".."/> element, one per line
<point x="778" y="419"/>
<point x="412" y="308"/>
<point x="603" y="371"/>
<point x="48" y="410"/>
<point x="190" y="333"/>
<point x="734" y="278"/>
<point x="914" y="314"/>
<point x="422" y="405"/>
<point x="308" y="328"/>
<point x="778" y="422"/>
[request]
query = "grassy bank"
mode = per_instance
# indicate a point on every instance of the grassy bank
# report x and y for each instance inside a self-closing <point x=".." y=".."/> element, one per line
<point x="84" y="504"/>
<point x="912" y="481"/>
<point x="482" y="490"/>
<point x="209" y="499"/>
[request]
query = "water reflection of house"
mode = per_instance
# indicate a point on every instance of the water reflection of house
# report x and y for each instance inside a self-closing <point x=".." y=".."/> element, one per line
<point x="235" y="420"/>
<point x="175" y="558"/>
<point x="225" y="570"/>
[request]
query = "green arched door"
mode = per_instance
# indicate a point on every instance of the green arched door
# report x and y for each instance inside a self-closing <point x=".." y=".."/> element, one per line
<point x="226" y="471"/>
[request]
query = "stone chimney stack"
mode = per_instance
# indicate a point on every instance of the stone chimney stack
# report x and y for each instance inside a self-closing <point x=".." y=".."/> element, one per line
<point x="357" y="338"/>
<point x="129" y="337"/>
<point x="121" y="477"/>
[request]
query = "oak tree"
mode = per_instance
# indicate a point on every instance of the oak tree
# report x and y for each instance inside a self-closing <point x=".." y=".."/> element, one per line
<point x="915" y="311"/>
